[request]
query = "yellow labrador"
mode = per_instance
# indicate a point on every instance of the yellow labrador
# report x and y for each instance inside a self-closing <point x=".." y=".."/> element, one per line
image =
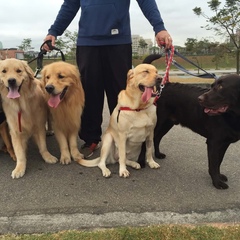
<point x="131" y="123"/>
<point x="65" y="97"/>
<point x="26" y="111"/>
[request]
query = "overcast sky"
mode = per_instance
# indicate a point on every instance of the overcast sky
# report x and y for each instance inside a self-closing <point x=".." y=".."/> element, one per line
<point x="21" y="19"/>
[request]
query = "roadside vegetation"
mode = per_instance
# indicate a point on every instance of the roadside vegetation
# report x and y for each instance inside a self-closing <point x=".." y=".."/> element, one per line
<point x="161" y="232"/>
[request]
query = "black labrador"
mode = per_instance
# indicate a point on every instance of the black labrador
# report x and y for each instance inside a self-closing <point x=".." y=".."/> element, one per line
<point x="213" y="113"/>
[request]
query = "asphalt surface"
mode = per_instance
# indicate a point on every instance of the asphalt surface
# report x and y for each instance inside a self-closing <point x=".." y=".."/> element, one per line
<point x="51" y="198"/>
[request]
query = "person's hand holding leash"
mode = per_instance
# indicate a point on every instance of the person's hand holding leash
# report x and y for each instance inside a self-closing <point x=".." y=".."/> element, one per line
<point x="163" y="38"/>
<point x="52" y="39"/>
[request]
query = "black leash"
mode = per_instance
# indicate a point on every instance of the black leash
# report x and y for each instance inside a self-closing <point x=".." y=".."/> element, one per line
<point x="205" y="75"/>
<point x="43" y="52"/>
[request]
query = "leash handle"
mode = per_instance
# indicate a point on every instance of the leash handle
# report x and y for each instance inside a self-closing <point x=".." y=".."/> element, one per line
<point x="51" y="47"/>
<point x="42" y="52"/>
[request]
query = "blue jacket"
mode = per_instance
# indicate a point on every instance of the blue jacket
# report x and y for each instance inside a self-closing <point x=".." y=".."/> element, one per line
<point x="104" y="22"/>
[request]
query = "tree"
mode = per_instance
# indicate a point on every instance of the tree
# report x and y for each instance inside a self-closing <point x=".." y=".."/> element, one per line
<point x="67" y="43"/>
<point x="26" y="46"/>
<point x="190" y="44"/>
<point x="142" y="45"/>
<point x="225" y="22"/>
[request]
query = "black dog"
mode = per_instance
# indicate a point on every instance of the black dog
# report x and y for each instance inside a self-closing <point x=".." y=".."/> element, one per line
<point x="214" y="114"/>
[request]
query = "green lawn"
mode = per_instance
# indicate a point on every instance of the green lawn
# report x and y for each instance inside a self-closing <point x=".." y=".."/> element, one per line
<point x="161" y="232"/>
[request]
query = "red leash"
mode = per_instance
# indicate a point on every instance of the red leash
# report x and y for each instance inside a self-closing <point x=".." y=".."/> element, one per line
<point x="168" y="61"/>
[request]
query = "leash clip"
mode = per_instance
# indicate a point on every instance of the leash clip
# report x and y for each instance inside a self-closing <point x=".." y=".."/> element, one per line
<point x="161" y="88"/>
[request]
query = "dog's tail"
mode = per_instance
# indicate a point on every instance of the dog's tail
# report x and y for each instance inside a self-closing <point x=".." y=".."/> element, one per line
<point x="149" y="59"/>
<point x="89" y="163"/>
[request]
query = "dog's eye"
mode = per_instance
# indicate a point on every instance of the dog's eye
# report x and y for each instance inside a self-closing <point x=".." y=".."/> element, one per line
<point x="60" y="76"/>
<point x="4" y="71"/>
<point x="19" y="71"/>
<point x="146" y="71"/>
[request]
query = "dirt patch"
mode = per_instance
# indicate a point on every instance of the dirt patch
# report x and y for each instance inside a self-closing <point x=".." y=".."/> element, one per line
<point x="187" y="79"/>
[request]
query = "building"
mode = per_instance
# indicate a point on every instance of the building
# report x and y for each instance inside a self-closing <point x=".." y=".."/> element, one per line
<point x="137" y="49"/>
<point x="11" y="53"/>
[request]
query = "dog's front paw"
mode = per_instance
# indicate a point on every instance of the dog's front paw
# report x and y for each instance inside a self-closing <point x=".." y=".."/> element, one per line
<point x="65" y="160"/>
<point x="219" y="182"/>
<point x="18" y="172"/>
<point x="153" y="164"/>
<point x="124" y="173"/>
<point x="51" y="159"/>
<point x="106" y="172"/>
<point x="77" y="156"/>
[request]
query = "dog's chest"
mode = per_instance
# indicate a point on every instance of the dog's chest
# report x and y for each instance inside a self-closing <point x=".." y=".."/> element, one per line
<point x="137" y="125"/>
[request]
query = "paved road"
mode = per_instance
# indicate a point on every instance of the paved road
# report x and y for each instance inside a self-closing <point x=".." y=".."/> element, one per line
<point x="51" y="198"/>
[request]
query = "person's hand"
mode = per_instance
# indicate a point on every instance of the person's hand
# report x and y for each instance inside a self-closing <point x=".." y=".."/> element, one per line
<point x="49" y="37"/>
<point x="163" y="38"/>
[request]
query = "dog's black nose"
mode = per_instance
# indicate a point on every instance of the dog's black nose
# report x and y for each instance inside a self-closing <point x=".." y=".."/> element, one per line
<point x="12" y="81"/>
<point x="49" y="88"/>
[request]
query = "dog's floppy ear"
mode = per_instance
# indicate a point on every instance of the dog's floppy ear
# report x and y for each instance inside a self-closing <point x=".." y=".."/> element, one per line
<point x="43" y="73"/>
<point x="28" y="70"/>
<point x="130" y="76"/>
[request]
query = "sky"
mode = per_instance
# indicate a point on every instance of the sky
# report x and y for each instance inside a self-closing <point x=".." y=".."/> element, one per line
<point x="20" y="19"/>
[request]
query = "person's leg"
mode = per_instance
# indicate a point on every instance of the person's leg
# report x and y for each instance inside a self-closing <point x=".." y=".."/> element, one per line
<point x="117" y="62"/>
<point x="89" y="64"/>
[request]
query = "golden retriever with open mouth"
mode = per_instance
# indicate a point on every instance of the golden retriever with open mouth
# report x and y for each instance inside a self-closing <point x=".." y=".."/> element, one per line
<point x="131" y="123"/>
<point x="65" y="97"/>
<point x="25" y="109"/>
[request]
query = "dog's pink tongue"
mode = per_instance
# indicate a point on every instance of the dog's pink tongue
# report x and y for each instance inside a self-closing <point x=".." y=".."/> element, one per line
<point x="54" y="101"/>
<point x="147" y="94"/>
<point x="13" y="93"/>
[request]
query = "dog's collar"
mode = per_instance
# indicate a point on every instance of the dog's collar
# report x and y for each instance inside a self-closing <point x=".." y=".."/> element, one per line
<point x="130" y="109"/>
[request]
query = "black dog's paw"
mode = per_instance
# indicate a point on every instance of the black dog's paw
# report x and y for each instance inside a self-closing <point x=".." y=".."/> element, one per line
<point x="220" y="184"/>
<point x="223" y="177"/>
<point x="160" y="155"/>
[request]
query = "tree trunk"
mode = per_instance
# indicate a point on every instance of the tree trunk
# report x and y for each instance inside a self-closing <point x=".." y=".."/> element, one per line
<point x="237" y="60"/>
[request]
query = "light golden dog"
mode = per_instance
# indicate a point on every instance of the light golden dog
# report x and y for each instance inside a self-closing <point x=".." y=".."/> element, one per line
<point x="25" y="109"/>
<point x="131" y="123"/>
<point x="65" y="97"/>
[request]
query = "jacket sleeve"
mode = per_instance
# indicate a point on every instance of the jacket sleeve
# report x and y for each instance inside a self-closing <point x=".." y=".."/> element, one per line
<point x="65" y="16"/>
<point x="151" y="12"/>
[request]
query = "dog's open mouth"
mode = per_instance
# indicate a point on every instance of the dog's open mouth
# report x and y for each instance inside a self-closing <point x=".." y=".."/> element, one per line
<point x="216" y="111"/>
<point x="55" y="99"/>
<point x="13" y="91"/>
<point x="148" y="92"/>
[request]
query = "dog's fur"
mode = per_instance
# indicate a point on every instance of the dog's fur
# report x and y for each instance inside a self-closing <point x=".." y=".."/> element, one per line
<point x="5" y="135"/>
<point x="65" y="97"/>
<point x="128" y="129"/>
<point x="25" y="109"/>
<point x="218" y="121"/>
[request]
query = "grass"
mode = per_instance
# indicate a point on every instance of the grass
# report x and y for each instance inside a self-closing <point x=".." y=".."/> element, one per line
<point x="161" y="232"/>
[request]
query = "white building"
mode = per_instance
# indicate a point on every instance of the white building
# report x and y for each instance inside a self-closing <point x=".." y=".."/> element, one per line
<point x="136" y="49"/>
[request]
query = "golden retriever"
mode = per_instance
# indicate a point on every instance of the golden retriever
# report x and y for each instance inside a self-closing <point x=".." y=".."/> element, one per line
<point x="131" y="123"/>
<point x="25" y="109"/>
<point x="65" y="98"/>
